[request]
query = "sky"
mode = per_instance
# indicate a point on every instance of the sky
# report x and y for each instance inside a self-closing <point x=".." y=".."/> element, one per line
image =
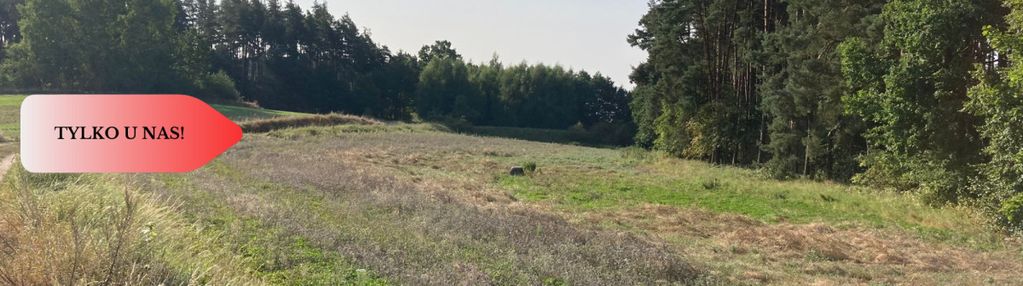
<point x="579" y="34"/>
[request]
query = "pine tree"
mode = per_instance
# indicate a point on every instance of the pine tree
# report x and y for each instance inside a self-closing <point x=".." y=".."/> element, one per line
<point x="809" y="134"/>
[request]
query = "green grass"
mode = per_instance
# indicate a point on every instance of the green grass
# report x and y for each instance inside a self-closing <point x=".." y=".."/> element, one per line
<point x="241" y="113"/>
<point x="10" y="107"/>
<point x="611" y="184"/>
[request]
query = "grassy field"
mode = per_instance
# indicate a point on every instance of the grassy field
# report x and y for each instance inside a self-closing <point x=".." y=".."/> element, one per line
<point x="240" y="113"/>
<point x="380" y="204"/>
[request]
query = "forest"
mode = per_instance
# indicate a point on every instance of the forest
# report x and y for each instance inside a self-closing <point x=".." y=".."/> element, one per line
<point x="919" y="96"/>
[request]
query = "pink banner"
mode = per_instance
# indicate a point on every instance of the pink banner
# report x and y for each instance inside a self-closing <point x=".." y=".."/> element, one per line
<point x="121" y="133"/>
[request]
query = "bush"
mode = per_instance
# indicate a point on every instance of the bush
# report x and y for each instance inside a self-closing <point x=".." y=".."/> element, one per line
<point x="1012" y="210"/>
<point x="218" y="87"/>
<point x="711" y="184"/>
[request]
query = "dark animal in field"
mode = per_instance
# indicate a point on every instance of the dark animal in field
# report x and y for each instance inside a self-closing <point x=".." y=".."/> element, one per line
<point x="517" y="171"/>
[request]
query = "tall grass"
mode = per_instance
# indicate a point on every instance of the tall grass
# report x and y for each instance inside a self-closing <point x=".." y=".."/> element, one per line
<point x="80" y="230"/>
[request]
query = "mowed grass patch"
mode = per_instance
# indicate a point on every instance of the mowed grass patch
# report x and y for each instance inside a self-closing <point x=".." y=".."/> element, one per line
<point x="411" y="233"/>
<point x="243" y="113"/>
<point x="688" y="184"/>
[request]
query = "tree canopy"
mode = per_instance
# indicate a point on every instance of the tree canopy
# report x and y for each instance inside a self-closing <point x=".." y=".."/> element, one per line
<point x="280" y="56"/>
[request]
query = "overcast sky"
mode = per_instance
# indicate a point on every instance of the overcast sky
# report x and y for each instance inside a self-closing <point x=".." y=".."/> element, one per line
<point x="579" y="34"/>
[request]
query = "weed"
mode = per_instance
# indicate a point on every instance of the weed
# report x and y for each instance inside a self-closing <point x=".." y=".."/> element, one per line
<point x="828" y="198"/>
<point x="529" y="166"/>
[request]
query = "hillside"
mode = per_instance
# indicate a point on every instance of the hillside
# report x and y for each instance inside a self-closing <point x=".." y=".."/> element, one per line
<point x="416" y="204"/>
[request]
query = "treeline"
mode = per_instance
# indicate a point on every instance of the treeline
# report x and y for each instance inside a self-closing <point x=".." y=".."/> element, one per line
<point x="283" y="57"/>
<point x="522" y="95"/>
<point x="911" y="95"/>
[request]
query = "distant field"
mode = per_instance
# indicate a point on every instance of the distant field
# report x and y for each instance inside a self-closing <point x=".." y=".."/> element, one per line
<point x="416" y="204"/>
<point x="240" y="113"/>
<point x="532" y="134"/>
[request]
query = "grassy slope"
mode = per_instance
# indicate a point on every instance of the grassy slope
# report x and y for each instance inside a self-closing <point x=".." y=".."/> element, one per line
<point x="239" y="113"/>
<point x="414" y="204"/>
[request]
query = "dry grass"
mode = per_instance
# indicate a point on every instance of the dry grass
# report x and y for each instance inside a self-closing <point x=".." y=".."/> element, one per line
<point x="69" y="229"/>
<point x="745" y="250"/>
<point x="267" y="125"/>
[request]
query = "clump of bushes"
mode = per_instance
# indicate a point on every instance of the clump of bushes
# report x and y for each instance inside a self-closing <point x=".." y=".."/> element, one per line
<point x="267" y="125"/>
<point x="218" y="87"/>
<point x="1012" y="210"/>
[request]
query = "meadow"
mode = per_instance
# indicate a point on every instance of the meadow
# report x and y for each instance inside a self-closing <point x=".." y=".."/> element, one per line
<point x="363" y="202"/>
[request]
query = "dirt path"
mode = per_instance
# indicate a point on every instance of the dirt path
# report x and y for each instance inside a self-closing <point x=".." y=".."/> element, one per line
<point x="5" y="165"/>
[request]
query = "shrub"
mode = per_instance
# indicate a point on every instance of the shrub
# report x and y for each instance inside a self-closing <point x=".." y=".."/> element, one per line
<point x="1012" y="210"/>
<point x="218" y="87"/>
<point x="577" y="127"/>
<point x="529" y="166"/>
<point x="711" y="184"/>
